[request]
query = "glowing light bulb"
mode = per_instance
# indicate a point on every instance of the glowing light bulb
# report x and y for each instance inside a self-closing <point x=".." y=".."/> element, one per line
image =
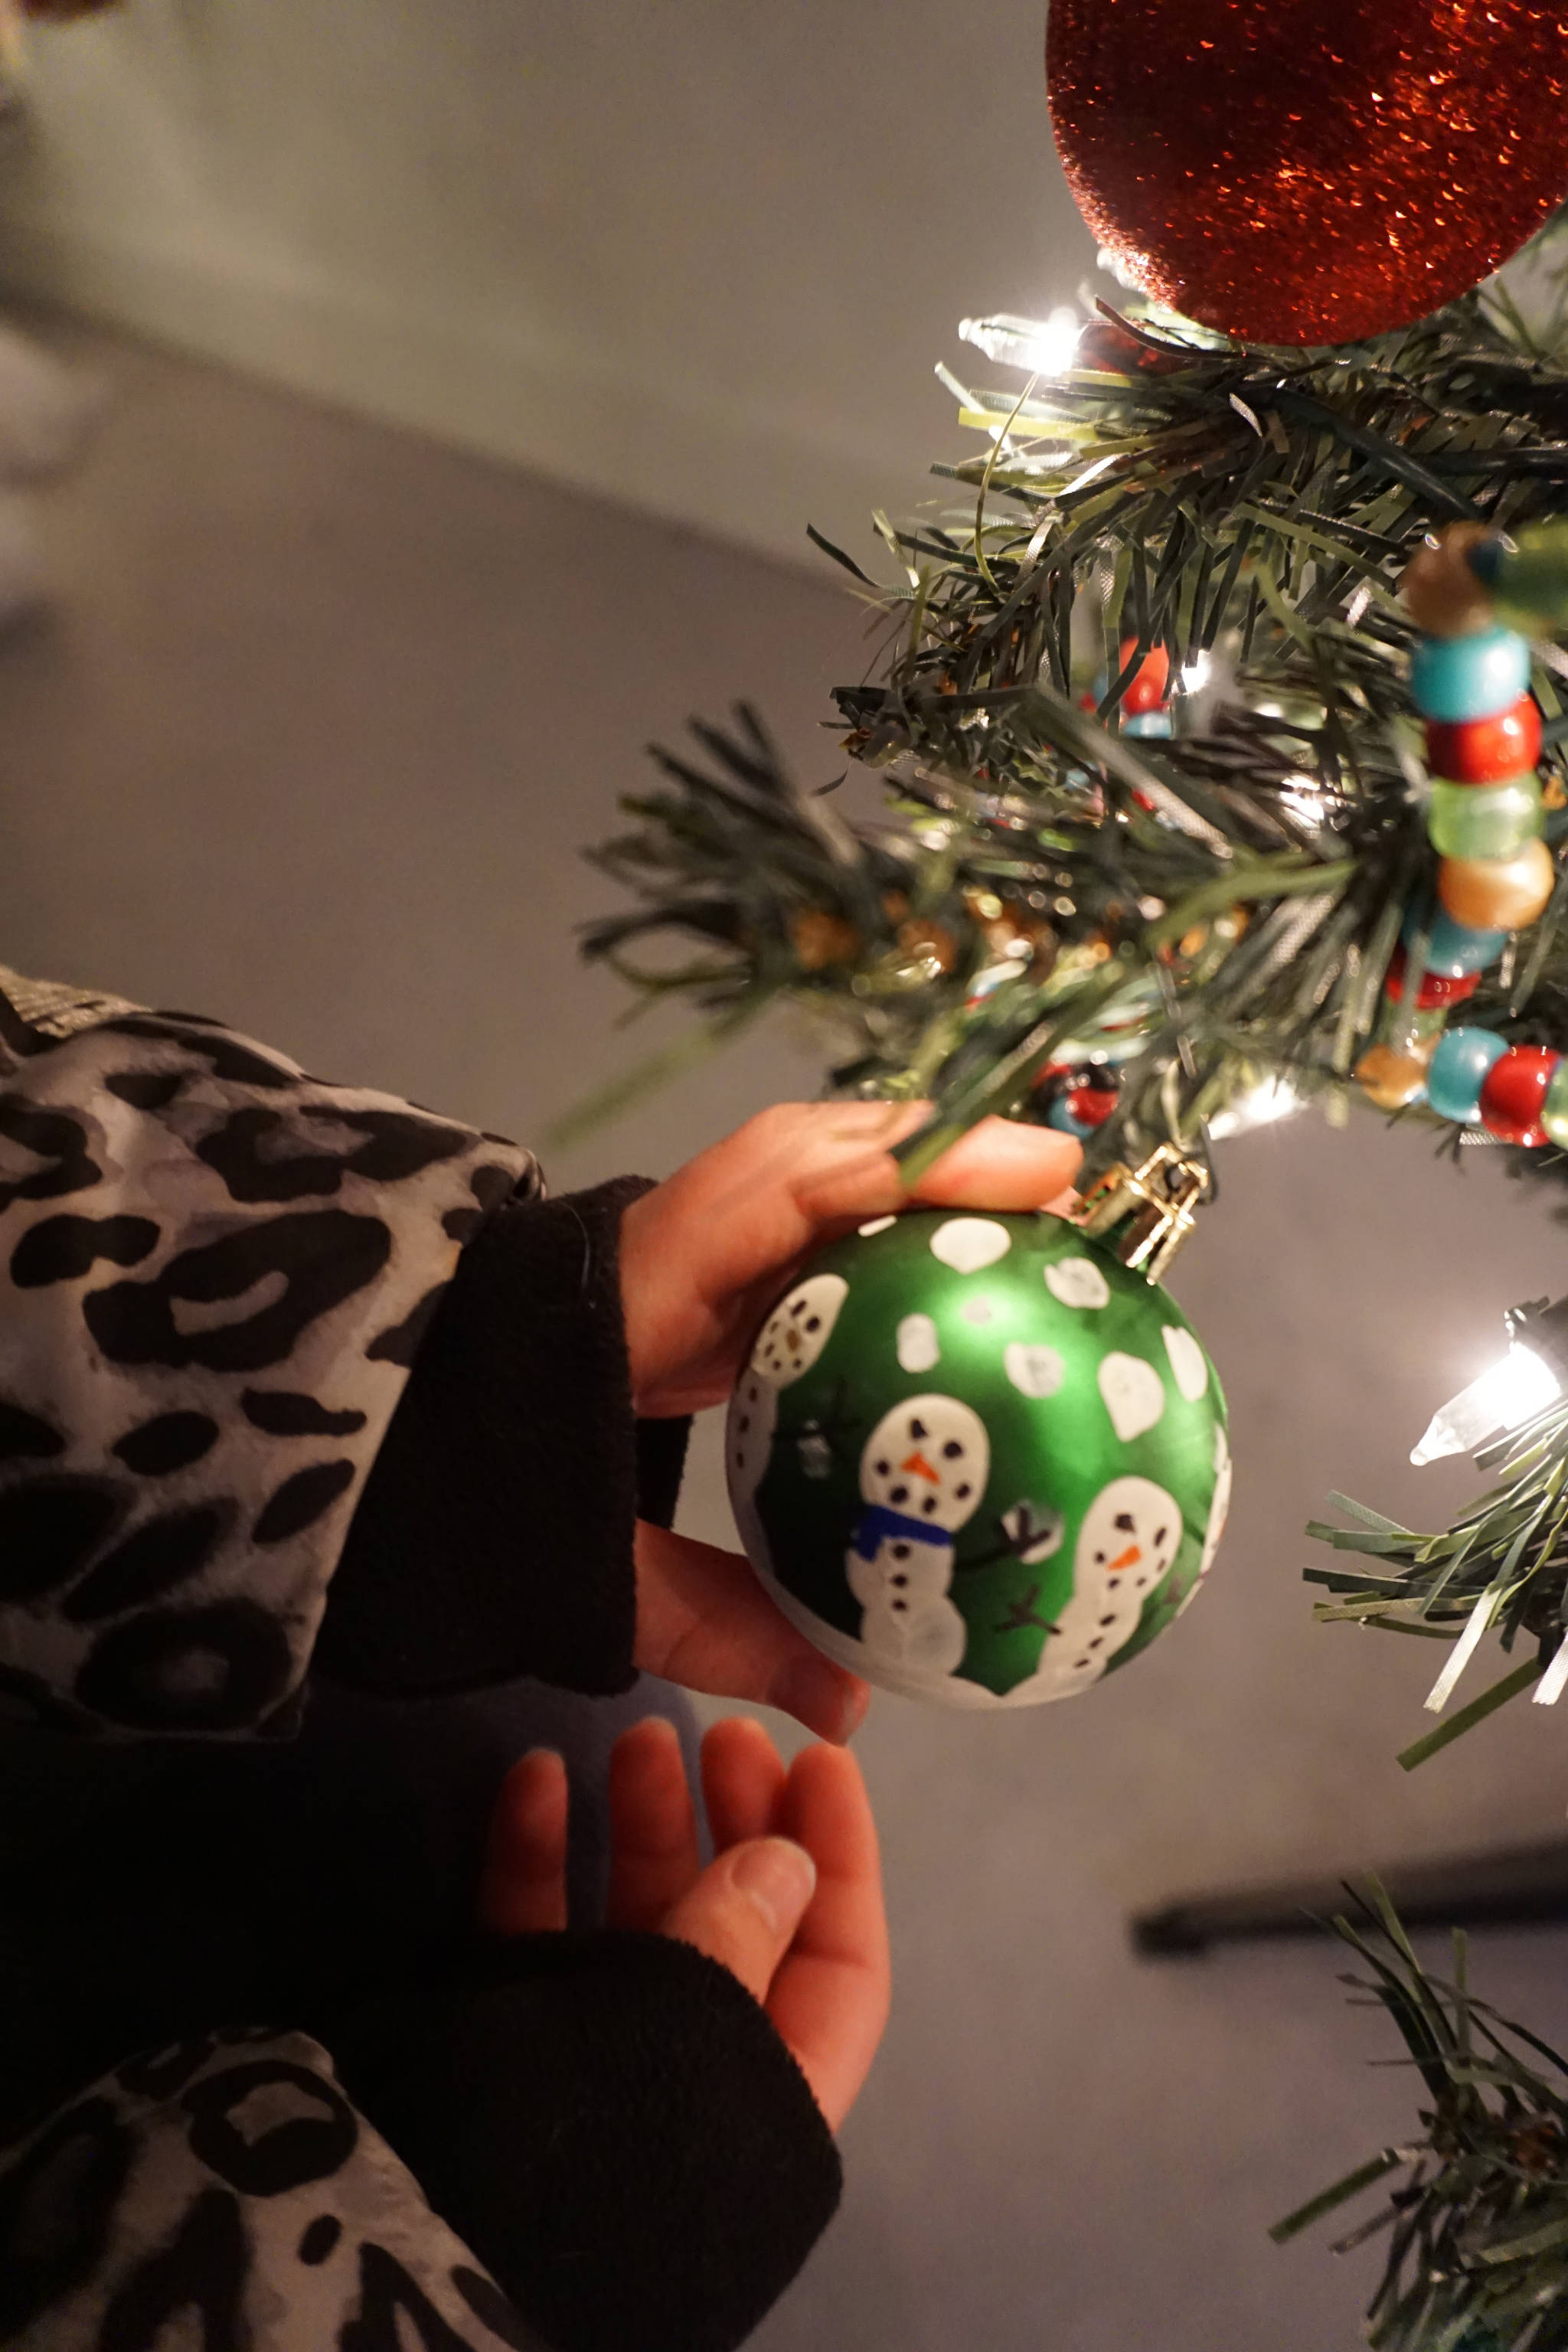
<point x="1513" y="1390"/>
<point x="1272" y="1098"/>
<point x="1304" y="797"/>
<point x="1195" y="674"/>
<point x="1044" y="346"/>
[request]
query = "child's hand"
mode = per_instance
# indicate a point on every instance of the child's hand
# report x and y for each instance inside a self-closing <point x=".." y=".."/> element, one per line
<point x="791" y="1904"/>
<point x="705" y="1253"/>
<point x="702" y="1257"/>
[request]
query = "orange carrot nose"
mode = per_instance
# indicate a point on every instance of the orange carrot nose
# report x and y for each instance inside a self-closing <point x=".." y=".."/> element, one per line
<point x="1129" y="1559"/>
<point x="921" y="1468"/>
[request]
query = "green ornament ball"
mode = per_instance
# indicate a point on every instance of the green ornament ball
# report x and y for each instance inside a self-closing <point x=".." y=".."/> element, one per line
<point x="977" y="1459"/>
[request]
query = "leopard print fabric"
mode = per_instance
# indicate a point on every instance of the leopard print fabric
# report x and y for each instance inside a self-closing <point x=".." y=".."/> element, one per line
<point x="225" y="2192"/>
<point x="215" y="1274"/>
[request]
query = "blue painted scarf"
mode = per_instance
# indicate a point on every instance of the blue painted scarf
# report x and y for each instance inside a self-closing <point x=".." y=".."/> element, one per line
<point x="878" y="1525"/>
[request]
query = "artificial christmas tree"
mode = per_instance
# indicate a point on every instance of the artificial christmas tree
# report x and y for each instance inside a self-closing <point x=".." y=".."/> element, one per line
<point x="1224" y="747"/>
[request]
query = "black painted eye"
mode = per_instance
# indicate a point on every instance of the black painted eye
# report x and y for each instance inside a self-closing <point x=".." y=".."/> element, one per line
<point x="881" y="1469"/>
<point x="951" y="1450"/>
<point x="815" y="1324"/>
<point x="897" y="1494"/>
<point x="1099" y="1559"/>
<point x="917" y="1429"/>
<point x="1123" y="1520"/>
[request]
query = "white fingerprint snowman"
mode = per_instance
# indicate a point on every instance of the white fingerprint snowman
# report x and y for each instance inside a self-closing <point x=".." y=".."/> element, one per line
<point x="1219" y="1511"/>
<point x="922" y="1475"/>
<point x="1130" y="1535"/>
<point x="788" y="1344"/>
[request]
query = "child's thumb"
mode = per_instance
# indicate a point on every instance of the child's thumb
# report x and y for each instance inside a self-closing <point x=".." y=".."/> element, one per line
<point x="744" y="1909"/>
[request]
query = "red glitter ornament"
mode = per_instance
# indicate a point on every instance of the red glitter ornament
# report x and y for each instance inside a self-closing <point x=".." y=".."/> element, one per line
<point x="1514" y="1091"/>
<point x="1310" y="171"/>
<point x="1486" y="751"/>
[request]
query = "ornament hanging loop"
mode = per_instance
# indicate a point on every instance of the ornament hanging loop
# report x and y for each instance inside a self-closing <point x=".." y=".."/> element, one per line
<point x="1144" y="1214"/>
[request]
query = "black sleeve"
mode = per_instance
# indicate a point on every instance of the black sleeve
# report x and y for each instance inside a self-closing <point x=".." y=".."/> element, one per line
<point x="259" y="1325"/>
<point x="494" y="1537"/>
<point x="613" y="2125"/>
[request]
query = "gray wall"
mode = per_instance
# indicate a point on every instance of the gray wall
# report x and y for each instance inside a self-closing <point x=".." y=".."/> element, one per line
<point x="312" y="742"/>
<point x="697" y="256"/>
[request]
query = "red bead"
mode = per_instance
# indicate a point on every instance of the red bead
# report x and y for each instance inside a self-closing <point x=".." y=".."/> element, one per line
<point x="1146" y="690"/>
<point x="1486" y="751"/>
<point x="1437" y="987"/>
<point x="1514" y="1091"/>
<point x="1091" y="1106"/>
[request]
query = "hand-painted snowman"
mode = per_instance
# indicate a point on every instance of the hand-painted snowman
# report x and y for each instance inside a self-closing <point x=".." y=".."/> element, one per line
<point x="977" y="1459"/>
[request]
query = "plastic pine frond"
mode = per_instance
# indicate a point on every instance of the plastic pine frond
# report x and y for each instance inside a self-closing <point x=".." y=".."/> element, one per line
<point x="1475" y="2206"/>
<point x="1500" y="1566"/>
<point x="1210" y="914"/>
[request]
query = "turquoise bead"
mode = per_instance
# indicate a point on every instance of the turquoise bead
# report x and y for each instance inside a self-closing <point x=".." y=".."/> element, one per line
<point x="1469" y="678"/>
<point x="1061" y="1119"/>
<point x="1484" y="820"/>
<point x="1452" y="952"/>
<point x="1458" y="1071"/>
<point x="1554" y="1109"/>
<point x="1152" y="724"/>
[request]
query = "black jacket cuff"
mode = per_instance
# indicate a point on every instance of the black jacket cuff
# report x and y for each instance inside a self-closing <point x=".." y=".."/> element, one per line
<point x="613" y="2126"/>
<point x="494" y="1534"/>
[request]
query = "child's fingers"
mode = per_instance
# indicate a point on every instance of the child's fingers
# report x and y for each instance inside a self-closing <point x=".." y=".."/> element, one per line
<point x="522" y="1884"/>
<point x="743" y="1779"/>
<point x="999" y="1164"/>
<point x="829" y="1999"/>
<point x="745" y="1908"/>
<point x="653" y="1827"/>
<point x="704" y="1620"/>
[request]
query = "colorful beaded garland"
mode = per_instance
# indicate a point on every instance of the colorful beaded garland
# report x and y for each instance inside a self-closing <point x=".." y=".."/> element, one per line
<point x="1458" y="1071"/>
<point x="1470" y="681"/>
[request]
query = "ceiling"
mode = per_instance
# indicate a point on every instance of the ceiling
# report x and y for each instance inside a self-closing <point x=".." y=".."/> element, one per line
<point x="697" y="257"/>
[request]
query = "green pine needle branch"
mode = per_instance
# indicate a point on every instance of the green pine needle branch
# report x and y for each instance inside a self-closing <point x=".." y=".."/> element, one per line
<point x="1501" y="1566"/>
<point x="1476" y="2206"/>
<point x="1210" y="912"/>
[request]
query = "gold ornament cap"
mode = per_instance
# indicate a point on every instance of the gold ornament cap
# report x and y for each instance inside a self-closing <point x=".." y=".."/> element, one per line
<point x="1143" y="1214"/>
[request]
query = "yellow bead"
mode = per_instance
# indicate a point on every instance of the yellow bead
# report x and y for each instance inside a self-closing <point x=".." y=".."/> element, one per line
<point x="1498" y="894"/>
<point x="1442" y="595"/>
<point x="1393" y="1079"/>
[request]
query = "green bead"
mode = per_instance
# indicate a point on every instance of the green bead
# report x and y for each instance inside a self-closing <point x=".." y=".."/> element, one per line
<point x="1553" y="1113"/>
<point x="956" y="1433"/>
<point x="1484" y="820"/>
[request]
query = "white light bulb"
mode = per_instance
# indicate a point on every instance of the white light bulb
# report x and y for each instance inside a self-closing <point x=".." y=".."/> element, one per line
<point x="1302" y="796"/>
<point x="1196" y="675"/>
<point x="1044" y="346"/>
<point x="1513" y="1390"/>
<point x="1272" y="1098"/>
